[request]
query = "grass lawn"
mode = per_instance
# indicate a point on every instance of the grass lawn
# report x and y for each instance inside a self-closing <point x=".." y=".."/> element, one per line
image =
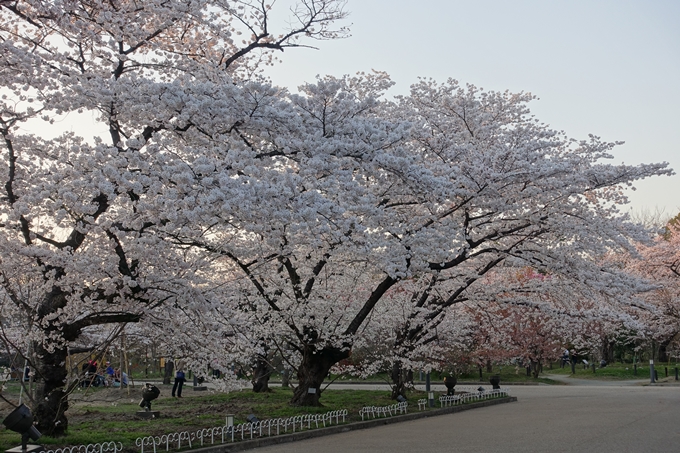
<point x="104" y="415"/>
<point x="507" y="374"/>
<point x="616" y="371"/>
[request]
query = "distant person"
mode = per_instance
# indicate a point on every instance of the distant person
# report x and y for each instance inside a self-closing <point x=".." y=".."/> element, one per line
<point x="179" y="382"/>
<point x="89" y="373"/>
<point x="109" y="370"/>
<point x="120" y="378"/>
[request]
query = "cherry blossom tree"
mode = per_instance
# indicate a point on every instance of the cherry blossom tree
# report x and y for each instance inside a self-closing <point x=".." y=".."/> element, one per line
<point x="659" y="262"/>
<point x="438" y="189"/>
<point x="79" y="213"/>
<point x="511" y="203"/>
<point x="526" y="334"/>
<point x="302" y="226"/>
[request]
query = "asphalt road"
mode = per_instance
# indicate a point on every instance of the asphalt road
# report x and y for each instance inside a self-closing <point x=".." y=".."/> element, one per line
<point x="574" y="418"/>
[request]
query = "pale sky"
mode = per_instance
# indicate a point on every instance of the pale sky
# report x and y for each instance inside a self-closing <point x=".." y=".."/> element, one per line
<point x="610" y="68"/>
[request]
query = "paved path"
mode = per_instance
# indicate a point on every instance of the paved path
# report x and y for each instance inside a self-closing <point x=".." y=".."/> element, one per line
<point x="567" y="379"/>
<point x="612" y="418"/>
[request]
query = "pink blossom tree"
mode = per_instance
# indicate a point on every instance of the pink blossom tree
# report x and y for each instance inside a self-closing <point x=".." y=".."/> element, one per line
<point x="82" y="215"/>
<point x="437" y="190"/>
<point x="659" y="263"/>
<point x="510" y="204"/>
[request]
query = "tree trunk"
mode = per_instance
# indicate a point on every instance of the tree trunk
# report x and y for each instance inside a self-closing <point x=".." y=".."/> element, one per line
<point x="489" y="366"/>
<point x="312" y="371"/>
<point x="402" y="380"/>
<point x="663" y="351"/>
<point x="51" y="371"/>
<point x="51" y="394"/>
<point x="169" y="369"/>
<point x="261" y="373"/>
<point x="607" y="350"/>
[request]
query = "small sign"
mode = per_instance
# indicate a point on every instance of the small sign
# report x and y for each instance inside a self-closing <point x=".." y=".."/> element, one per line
<point x="311" y="390"/>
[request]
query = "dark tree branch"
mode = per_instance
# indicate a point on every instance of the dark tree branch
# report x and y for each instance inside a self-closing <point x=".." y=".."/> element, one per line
<point x="73" y="330"/>
<point x="123" y="267"/>
<point x="366" y="309"/>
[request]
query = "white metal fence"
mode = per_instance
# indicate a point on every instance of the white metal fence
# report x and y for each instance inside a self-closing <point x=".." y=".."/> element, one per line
<point x="453" y="400"/>
<point x="377" y="411"/>
<point x="242" y="431"/>
<point x="104" y="447"/>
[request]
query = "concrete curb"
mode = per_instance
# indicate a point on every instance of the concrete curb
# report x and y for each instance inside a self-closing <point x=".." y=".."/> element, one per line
<point x="421" y="383"/>
<point x="319" y="432"/>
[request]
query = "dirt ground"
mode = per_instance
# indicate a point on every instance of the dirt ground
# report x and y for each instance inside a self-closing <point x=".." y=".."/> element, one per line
<point x="83" y="403"/>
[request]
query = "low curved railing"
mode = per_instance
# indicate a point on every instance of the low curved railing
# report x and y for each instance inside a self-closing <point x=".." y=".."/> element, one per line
<point x="242" y="431"/>
<point x="104" y="447"/>
<point x="377" y="411"/>
<point x="452" y="400"/>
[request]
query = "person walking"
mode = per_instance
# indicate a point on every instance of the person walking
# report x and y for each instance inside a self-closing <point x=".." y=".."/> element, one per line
<point x="179" y="382"/>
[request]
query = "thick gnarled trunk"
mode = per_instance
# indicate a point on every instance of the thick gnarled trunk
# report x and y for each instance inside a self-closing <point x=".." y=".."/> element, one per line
<point x="51" y="392"/>
<point x="262" y="371"/>
<point x="607" y="349"/>
<point x="663" y="351"/>
<point x="402" y="380"/>
<point x="312" y="371"/>
<point x="51" y="372"/>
